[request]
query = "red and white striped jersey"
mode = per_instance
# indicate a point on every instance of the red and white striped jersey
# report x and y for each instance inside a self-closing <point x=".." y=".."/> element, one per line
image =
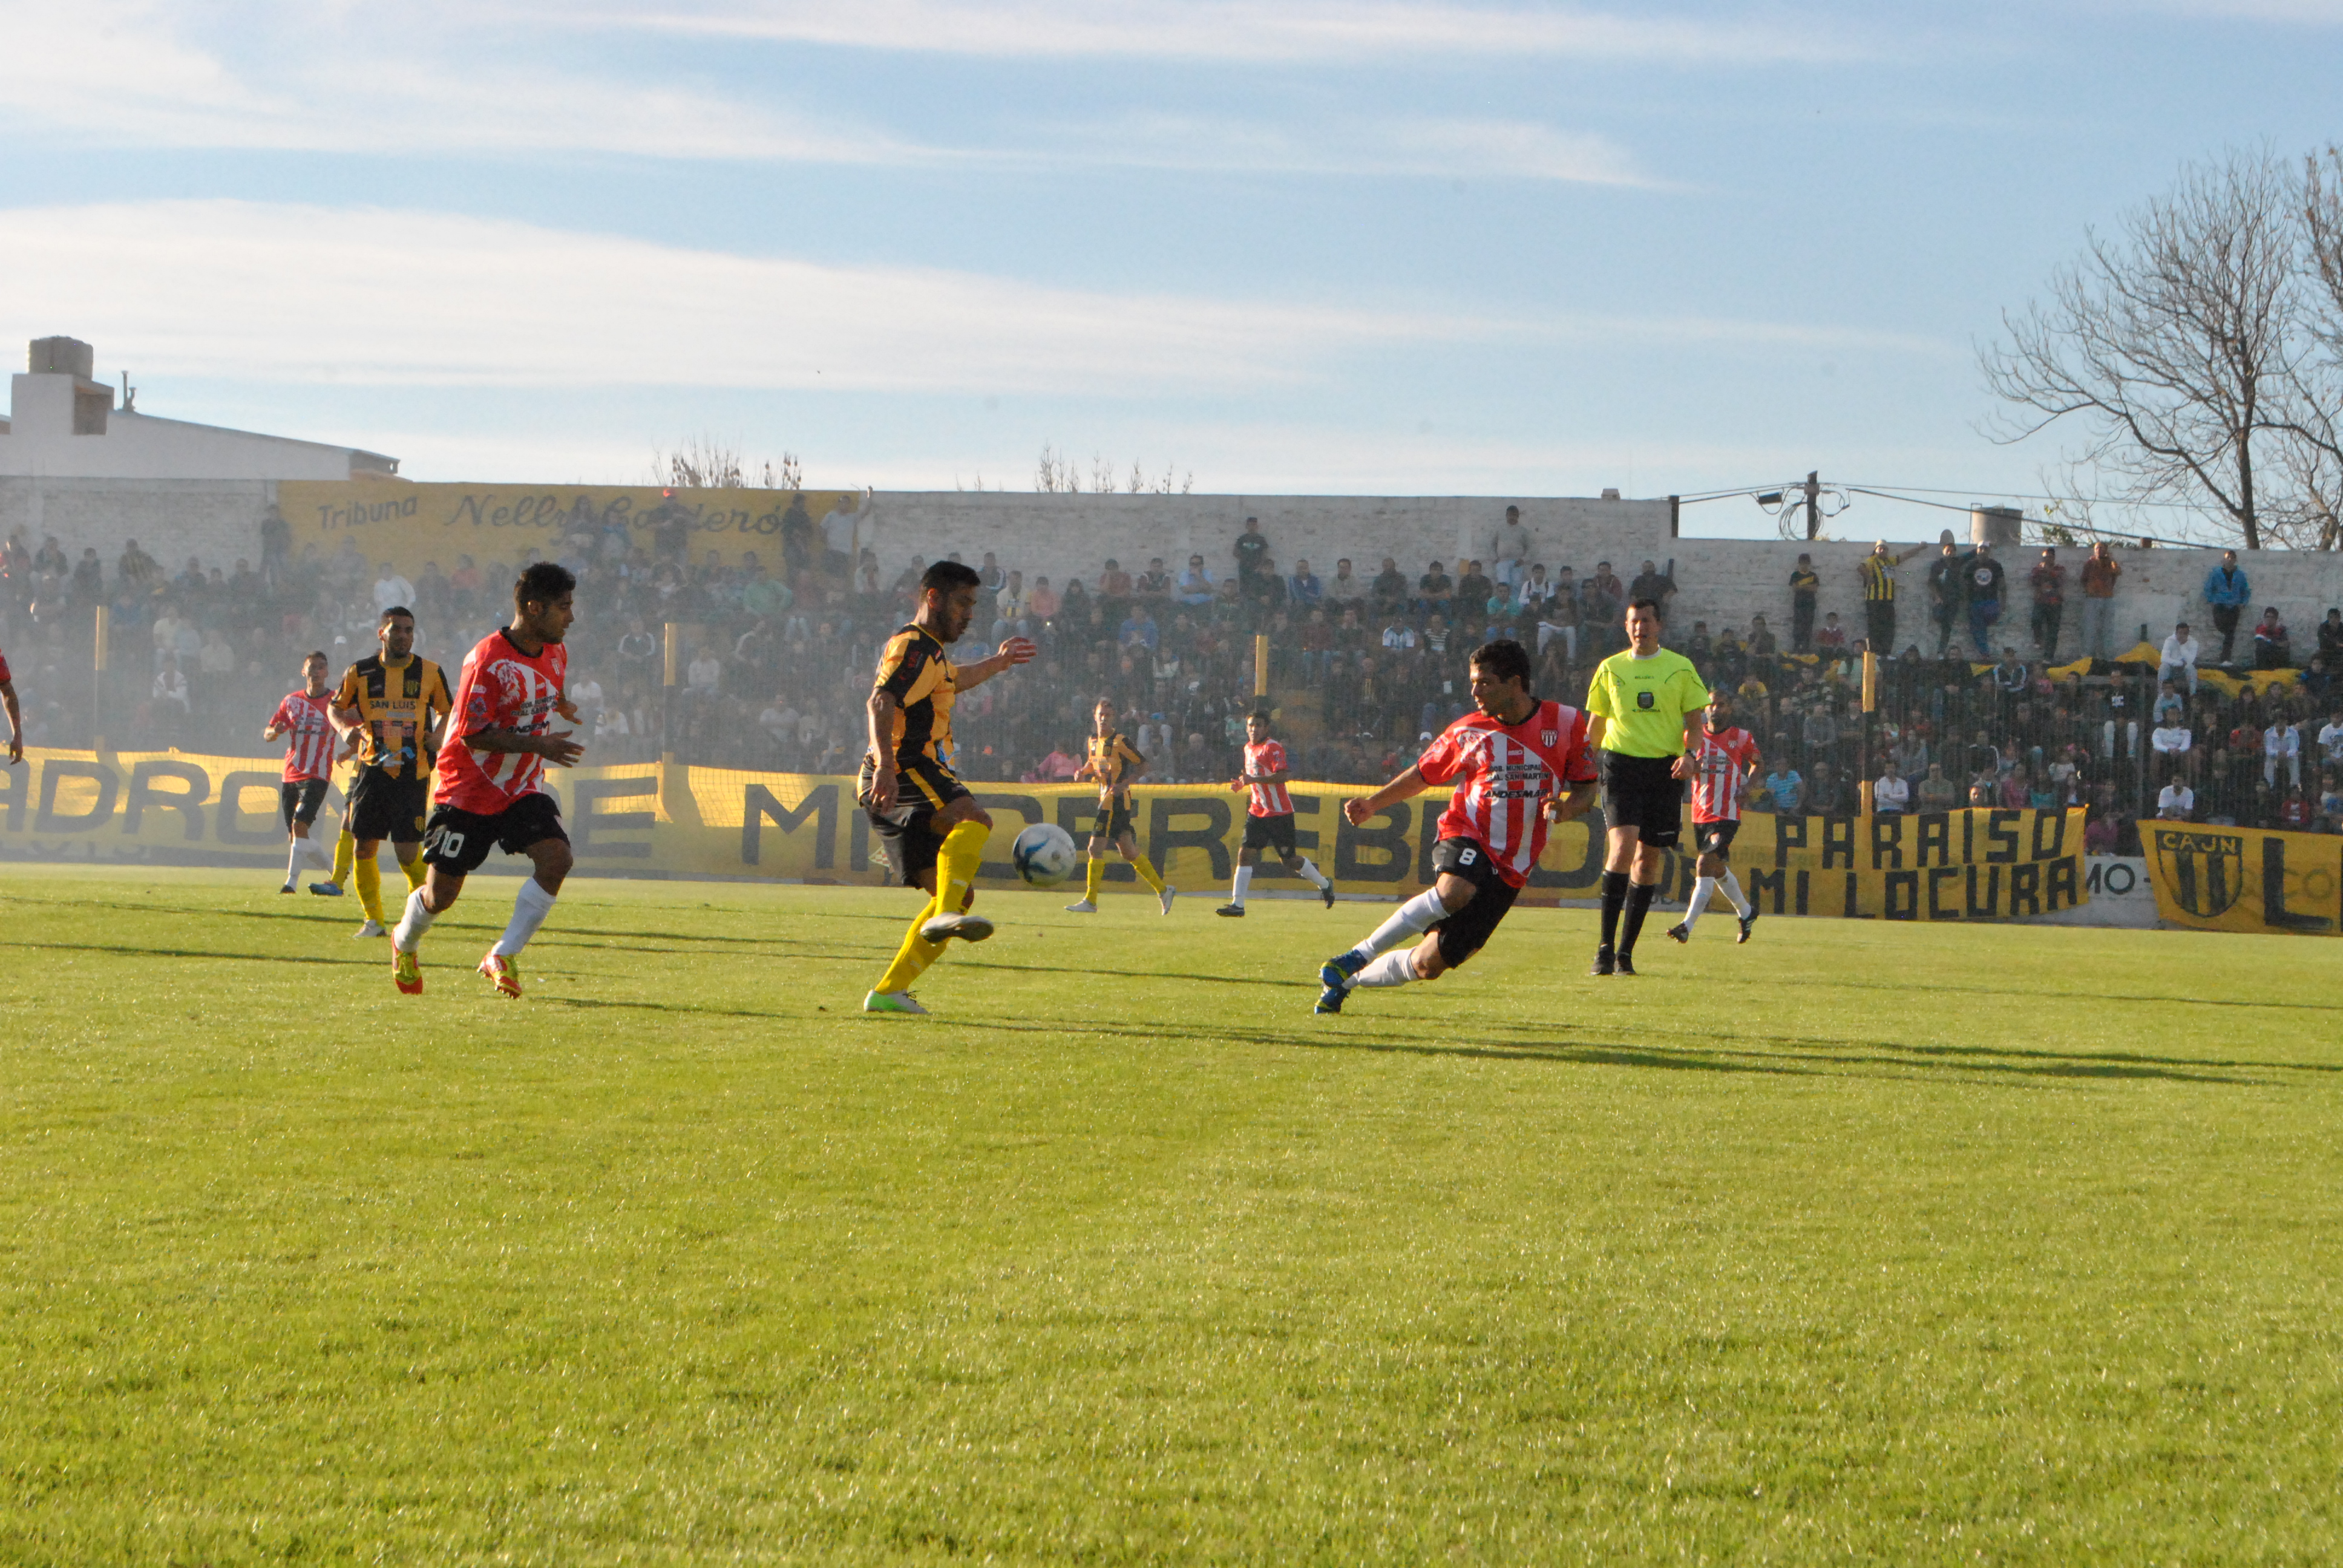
<point x="308" y="724"/>
<point x="501" y="688"/>
<point x="1508" y="773"/>
<point x="1268" y="800"/>
<point x="1721" y="760"/>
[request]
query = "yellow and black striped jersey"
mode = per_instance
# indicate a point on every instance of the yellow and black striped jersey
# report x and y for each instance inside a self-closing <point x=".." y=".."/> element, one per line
<point x="1111" y="757"/>
<point x="916" y="670"/>
<point x="396" y="702"/>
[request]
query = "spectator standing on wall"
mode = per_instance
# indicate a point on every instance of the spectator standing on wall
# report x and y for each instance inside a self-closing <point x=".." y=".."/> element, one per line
<point x="2099" y="574"/>
<point x="1251" y="551"/>
<point x="1983" y="578"/>
<point x="2049" y="582"/>
<point x="1877" y="573"/>
<point x="1948" y="592"/>
<point x="1805" y="586"/>
<point x="2273" y="648"/>
<point x="2179" y="663"/>
<point x="1513" y="549"/>
<point x="2227" y="592"/>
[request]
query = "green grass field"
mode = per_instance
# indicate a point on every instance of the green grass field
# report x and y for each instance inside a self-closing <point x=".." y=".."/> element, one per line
<point x="1895" y="1243"/>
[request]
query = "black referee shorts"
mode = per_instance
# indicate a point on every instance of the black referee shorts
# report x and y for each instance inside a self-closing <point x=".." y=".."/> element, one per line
<point x="1466" y="932"/>
<point x="907" y="830"/>
<point x="1645" y="794"/>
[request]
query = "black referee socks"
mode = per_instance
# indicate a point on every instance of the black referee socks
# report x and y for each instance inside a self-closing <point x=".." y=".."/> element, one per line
<point x="1639" y="904"/>
<point x="1615" y="894"/>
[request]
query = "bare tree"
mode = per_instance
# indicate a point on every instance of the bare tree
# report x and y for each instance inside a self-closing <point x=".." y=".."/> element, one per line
<point x="2318" y="460"/>
<point x="1055" y="474"/>
<point x="2173" y="344"/>
<point x="705" y="463"/>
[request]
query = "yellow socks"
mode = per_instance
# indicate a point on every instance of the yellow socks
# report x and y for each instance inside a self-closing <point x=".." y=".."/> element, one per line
<point x="370" y="888"/>
<point x="1097" y="879"/>
<point x="345" y="850"/>
<point x="956" y="866"/>
<point x="1147" y="873"/>
<point x="415" y="869"/>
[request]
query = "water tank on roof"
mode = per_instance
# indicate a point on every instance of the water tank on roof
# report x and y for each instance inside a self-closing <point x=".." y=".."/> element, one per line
<point x="1996" y="525"/>
<point x="63" y="357"/>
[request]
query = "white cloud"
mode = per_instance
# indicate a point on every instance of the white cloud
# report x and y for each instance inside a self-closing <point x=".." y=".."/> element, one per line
<point x="1444" y="148"/>
<point x="1234" y="30"/>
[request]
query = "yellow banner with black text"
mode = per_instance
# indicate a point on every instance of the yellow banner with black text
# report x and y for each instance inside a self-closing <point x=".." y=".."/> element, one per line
<point x="643" y="819"/>
<point x="2245" y="878"/>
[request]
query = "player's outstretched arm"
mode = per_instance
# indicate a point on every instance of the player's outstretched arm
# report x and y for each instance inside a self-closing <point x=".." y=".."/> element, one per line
<point x="558" y="749"/>
<point x="1358" y="809"/>
<point x="1017" y="650"/>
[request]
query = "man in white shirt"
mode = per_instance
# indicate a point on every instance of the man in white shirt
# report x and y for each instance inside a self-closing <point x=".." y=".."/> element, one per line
<point x="706" y="673"/>
<point x="1511" y="548"/>
<point x="839" y="530"/>
<point x="391" y="588"/>
<point x="2330" y="741"/>
<point x="2175" y="803"/>
<point x="2179" y="664"/>
<point x="2171" y="739"/>
<point x="2282" y="747"/>
<point x="1890" y="794"/>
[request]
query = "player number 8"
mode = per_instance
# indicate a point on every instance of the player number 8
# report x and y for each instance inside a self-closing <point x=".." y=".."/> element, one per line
<point x="1466" y="858"/>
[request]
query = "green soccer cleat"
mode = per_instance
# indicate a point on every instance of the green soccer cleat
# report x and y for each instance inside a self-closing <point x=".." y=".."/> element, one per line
<point x="900" y="1001"/>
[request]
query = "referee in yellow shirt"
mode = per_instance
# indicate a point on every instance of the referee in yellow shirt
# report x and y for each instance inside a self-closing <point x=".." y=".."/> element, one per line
<point x="1644" y="705"/>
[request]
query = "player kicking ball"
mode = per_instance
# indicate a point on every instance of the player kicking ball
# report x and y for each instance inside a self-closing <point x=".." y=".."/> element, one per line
<point x="1268" y="819"/>
<point x="1724" y="760"/>
<point x="306" y="720"/>
<point x="930" y="826"/>
<point x="1116" y="764"/>
<point x="1517" y="764"/>
<point x="490" y="788"/>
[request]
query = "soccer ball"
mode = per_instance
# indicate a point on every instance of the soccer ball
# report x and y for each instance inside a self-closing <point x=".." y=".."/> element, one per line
<point x="1044" y="854"/>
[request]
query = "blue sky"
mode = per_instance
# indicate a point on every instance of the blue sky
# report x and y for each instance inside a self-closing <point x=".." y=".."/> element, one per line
<point x="1417" y="248"/>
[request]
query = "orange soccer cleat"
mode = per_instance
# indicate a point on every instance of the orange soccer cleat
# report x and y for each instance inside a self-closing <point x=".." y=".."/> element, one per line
<point x="499" y="969"/>
<point x="407" y="973"/>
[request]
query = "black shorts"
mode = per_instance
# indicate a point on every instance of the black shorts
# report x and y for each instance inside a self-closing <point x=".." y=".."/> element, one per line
<point x="383" y="806"/>
<point x="1271" y="833"/>
<point x="1464" y="933"/>
<point x="1113" y="821"/>
<point x="298" y="800"/>
<point x="1715" y="838"/>
<point x="1643" y="793"/>
<point x="458" y="841"/>
<point x="906" y="832"/>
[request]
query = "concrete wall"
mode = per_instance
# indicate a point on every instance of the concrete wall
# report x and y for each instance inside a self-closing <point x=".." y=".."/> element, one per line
<point x="217" y="520"/>
<point x="39" y="438"/>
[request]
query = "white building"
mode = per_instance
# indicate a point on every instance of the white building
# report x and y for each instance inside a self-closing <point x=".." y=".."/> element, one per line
<point x="63" y="425"/>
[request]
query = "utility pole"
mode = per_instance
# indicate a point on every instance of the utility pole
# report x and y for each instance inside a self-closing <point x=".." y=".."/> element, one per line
<point x="1813" y="503"/>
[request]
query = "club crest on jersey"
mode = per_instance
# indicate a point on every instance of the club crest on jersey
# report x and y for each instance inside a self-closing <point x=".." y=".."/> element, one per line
<point x="1549" y="736"/>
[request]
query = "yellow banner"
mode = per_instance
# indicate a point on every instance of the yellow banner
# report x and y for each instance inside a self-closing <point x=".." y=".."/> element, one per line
<point x="411" y="524"/>
<point x="641" y="819"/>
<point x="2245" y="878"/>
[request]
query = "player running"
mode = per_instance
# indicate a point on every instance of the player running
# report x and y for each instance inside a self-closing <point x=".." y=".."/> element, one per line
<point x="490" y="792"/>
<point x="1116" y="764"/>
<point x="395" y="700"/>
<point x="1269" y="818"/>
<point x="1646" y="702"/>
<point x="306" y="718"/>
<point x="1724" y="760"/>
<point x="930" y="826"/>
<point x="1521" y="763"/>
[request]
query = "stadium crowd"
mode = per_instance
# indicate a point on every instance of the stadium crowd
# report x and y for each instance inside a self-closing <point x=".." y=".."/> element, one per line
<point x="1364" y="662"/>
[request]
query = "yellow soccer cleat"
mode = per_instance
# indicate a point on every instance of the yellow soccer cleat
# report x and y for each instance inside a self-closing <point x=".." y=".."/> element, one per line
<point x="499" y="969"/>
<point x="407" y="973"/>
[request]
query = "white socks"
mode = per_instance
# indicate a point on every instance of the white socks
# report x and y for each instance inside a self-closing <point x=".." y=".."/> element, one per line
<point x="1312" y="875"/>
<point x="530" y="906"/>
<point x="412" y="924"/>
<point x="300" y="859"/>
<point x="1244" y="882"/>
<point x="1702" y="886"/>
<point x="1392" y="969"/>
<point x="1414" y="917"/>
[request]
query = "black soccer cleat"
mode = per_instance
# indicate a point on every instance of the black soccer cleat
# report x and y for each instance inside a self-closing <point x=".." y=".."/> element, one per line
<point x="1604" y="962"/>
<point x="1748" y="924"/>
<point x="1327" y="893"/>
<point x="1234" y="911"/>
<point x="1679" y="933"/>
<point x="1626" y="963"/>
